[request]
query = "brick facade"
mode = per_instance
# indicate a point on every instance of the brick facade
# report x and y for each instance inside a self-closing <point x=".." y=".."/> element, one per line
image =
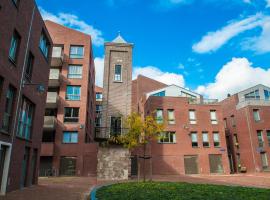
<point x="25" y="21"/>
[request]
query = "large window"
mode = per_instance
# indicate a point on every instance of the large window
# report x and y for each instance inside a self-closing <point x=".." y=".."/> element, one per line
<point x="29" y="66"/>
<point x="116" y="126"/>
<point x="267" y="94"/>
<point x="73" y="93"/>
<point x="167" y="137"/>
<point x="194" y="139"/>
<point x="98" y="109"/>
<point x="74" y="71"/>
<point x="159" y="116"/>
<point x="253" y="95"/>
<point x="256" y="115"/>
<point x="44" y="44"/>
<point x="192" y="117"/>
<point x="260" y="138"/>
<point x="70" y="137"/>
<point x="171" y="117"/>
<point x="76" y="52"/>
<point x="205" y="139"/>
<point x="118" y="73"/>
<point x="215" y="163"/>
<point x="268" y="137"/>
<point x="213" y="117"/>
<point x="14" y="46"/>
<point x="7" y="118"/>
<point x="159" y="94"/>
<point x="71" y="115"/>
<point x="26" y="119"/>
<point x="216" y="139"/>
<point x="98" y="96"/>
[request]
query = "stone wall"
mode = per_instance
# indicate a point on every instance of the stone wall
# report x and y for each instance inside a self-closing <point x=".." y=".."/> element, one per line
<point x="113" y="163"/>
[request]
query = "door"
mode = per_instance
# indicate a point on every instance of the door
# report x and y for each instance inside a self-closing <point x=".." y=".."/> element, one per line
<point x="231" y="163"/>
<point x="215" y="162"/>
<point x="68" y="166"/>
<point x="134" y="166"/>
<point x="191" y="164"/>
<point x="33" y="167"/>
<point x="3" y="151"/>
<point x="25" y="163"/>
<point x="264" y="161"/>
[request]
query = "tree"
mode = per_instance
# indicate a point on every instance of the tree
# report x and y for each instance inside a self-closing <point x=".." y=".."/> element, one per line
<point x="140" y="132"/>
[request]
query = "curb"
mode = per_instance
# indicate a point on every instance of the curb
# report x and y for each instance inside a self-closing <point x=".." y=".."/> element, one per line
<point x="93" y="191"/>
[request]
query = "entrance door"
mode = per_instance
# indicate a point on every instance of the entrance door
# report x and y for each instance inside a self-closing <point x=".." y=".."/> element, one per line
<point x="134" y="166"/>
<point x="191" y="164"/>
<point x="33" y="167"/>
<point x="215" y="162"/>
<point x="264" y="161"/>
<point x="3" y="151"/>
<point x="68" y="166"/>
<point x="25" y="167"/>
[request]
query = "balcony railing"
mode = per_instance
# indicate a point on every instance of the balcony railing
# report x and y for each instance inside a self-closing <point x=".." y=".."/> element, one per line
<point x="57" y="57"/>
<point x="49" y="123"/>
<point x="253" y="102"/>
<point x="54" y="78"/>
<point x="108" y="132"/>
<point x="52" y="98"/>
<point x="202" y="101"/>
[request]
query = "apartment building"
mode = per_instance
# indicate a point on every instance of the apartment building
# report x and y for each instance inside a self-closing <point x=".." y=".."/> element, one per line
<point x="246" y="118"/>
<point x="194" y="138"/>
<point x="24" y="69"/>
<point x="68" y="147"/>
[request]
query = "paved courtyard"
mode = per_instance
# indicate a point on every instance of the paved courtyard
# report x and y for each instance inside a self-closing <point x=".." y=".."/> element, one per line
<point x="75" y="188"/>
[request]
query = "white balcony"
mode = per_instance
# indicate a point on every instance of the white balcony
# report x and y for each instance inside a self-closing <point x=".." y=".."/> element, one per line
<point x="49" y="123"/>
<point x="54" y="78"/>
<point x="252" y="102"/>
<point x="52" y="99"/>
<point x="57" y="57"/>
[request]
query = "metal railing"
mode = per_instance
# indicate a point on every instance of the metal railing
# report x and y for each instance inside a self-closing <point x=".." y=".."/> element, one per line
<point x="108" y="132"/>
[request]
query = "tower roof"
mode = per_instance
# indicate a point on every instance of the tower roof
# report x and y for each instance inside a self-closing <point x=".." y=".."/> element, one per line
<point x="119" y="39"/>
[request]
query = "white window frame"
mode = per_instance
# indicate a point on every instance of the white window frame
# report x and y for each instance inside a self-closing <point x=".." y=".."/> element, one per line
<point x="192" y="120"/>
<point x="213" y="118"/>
<point x="167" y="133"/>
<point x="114" y="78"/>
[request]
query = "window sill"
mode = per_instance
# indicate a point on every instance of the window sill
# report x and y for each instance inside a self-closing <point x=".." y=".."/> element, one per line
<point x="72" y="100"/>
<point x="167" y="143"/>
<point x="24" y="139"/>
<point x="118" y="81"/>
<point x="70" y="143"/>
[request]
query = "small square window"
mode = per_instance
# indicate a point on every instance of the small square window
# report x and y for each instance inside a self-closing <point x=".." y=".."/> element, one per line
<point x="75" y="71"/>
<point x="70" y="137"/>
<point x="73" y="93"/>
<point x="71" y="115"/>
<point x="256" y="115"/>
<point x="76" y="52"/>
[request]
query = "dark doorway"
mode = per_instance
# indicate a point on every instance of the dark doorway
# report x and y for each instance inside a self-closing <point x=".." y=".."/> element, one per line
<point x="25" y="164"/>
<point x="33" y="167"/>
<point x="134" y="166"/>
<point x="116" y="124"/>
<point x="68" y="166"/>
<point x="3" y="151"/>
<point x="191" y="164"/>
<point x="215" y="162"/>
<point x="45" y="167"/>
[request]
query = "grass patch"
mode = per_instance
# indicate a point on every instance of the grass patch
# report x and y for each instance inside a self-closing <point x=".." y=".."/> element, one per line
<point x="179" y="191"/>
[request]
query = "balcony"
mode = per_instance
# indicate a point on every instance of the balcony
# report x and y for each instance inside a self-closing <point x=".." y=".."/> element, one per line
<point x="203" y="101"/>
<point x="252" y="102"/>
<point x="57" y="57"/>
<point x="52" y="98"/>
<point x="54" y="80"/>
<point x="47" y="149"/>
<point x="49" y="123"/>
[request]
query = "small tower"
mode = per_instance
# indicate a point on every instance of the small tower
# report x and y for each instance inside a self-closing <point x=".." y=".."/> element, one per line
<point x="116" y="86"/>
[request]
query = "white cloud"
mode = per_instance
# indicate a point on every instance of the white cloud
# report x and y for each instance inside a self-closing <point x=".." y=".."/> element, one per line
<point x="99" y="68"/>
<point x="268" y="3"/>
<point x="74" y="22"/>
<point x="212" y="41"/>
<point x="157" y="74"/>
<point x="236" y="75"/>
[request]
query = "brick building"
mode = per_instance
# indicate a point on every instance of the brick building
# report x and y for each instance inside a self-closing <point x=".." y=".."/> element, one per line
<point x="246" y="118"/>
<point x="98" y="115"/>
<point x="194" y="139"/>
<point x="68" y="146"/>
<point x="25" y="46"/>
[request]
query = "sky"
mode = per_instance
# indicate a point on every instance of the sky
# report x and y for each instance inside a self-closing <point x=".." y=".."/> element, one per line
<point x="213" y="47"/>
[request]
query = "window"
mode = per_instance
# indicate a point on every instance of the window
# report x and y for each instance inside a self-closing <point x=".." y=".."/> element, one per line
<point x="260" y="138"/>
<point x="216" y="139"/>
<point x="26" y="119"/>
<point x="44" y="44"/>
<point x="159" y="116"/>
<point x="233" y="121"/>
<point x="116" y="126"/>
<point x="159" y="94"/>
<point x="235" y="138"/>
<point x="29" y="66"/>
<point x="1" y="85"/>
<point x="253" y="95"/>
<point x="73" y="93"/>
<point x="74" y="71"/>
<point x="171" y="119"/>
<point x="268" y="137"/>
<point x="167" y="137"/>
<point x="98" y="96"/>
<point x="256" y="115"/>
<point x="70" y="137"/>
<point x="98" y="108"/>
<point x="16" y="2"/>
<point x="192" y="117"/>
<point x="194" y="139"/>
<point x="14" y="46"/>
<point x="267" y="94"/>
<point x="225" y="123"/>
<point x="205" y="139"/>
<point x="215" y="163"/>
<point x="98" y="121"/>
<point x="10" y="97"/>
<point x="213" y="117"/>
<point x="185" y="94"/>
<point x="76" y="52"/>
<point x="118" y="73"/>
<point x="264" y="160"/>
<point x="71" y="115"/>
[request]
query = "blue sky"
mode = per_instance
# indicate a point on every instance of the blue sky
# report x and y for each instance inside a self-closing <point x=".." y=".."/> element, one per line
<point x="211" y="46"/>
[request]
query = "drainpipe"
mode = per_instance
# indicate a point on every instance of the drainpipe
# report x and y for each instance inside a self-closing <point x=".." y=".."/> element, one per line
<point x="20" y="92"/>
<point x="250" y="138"/>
